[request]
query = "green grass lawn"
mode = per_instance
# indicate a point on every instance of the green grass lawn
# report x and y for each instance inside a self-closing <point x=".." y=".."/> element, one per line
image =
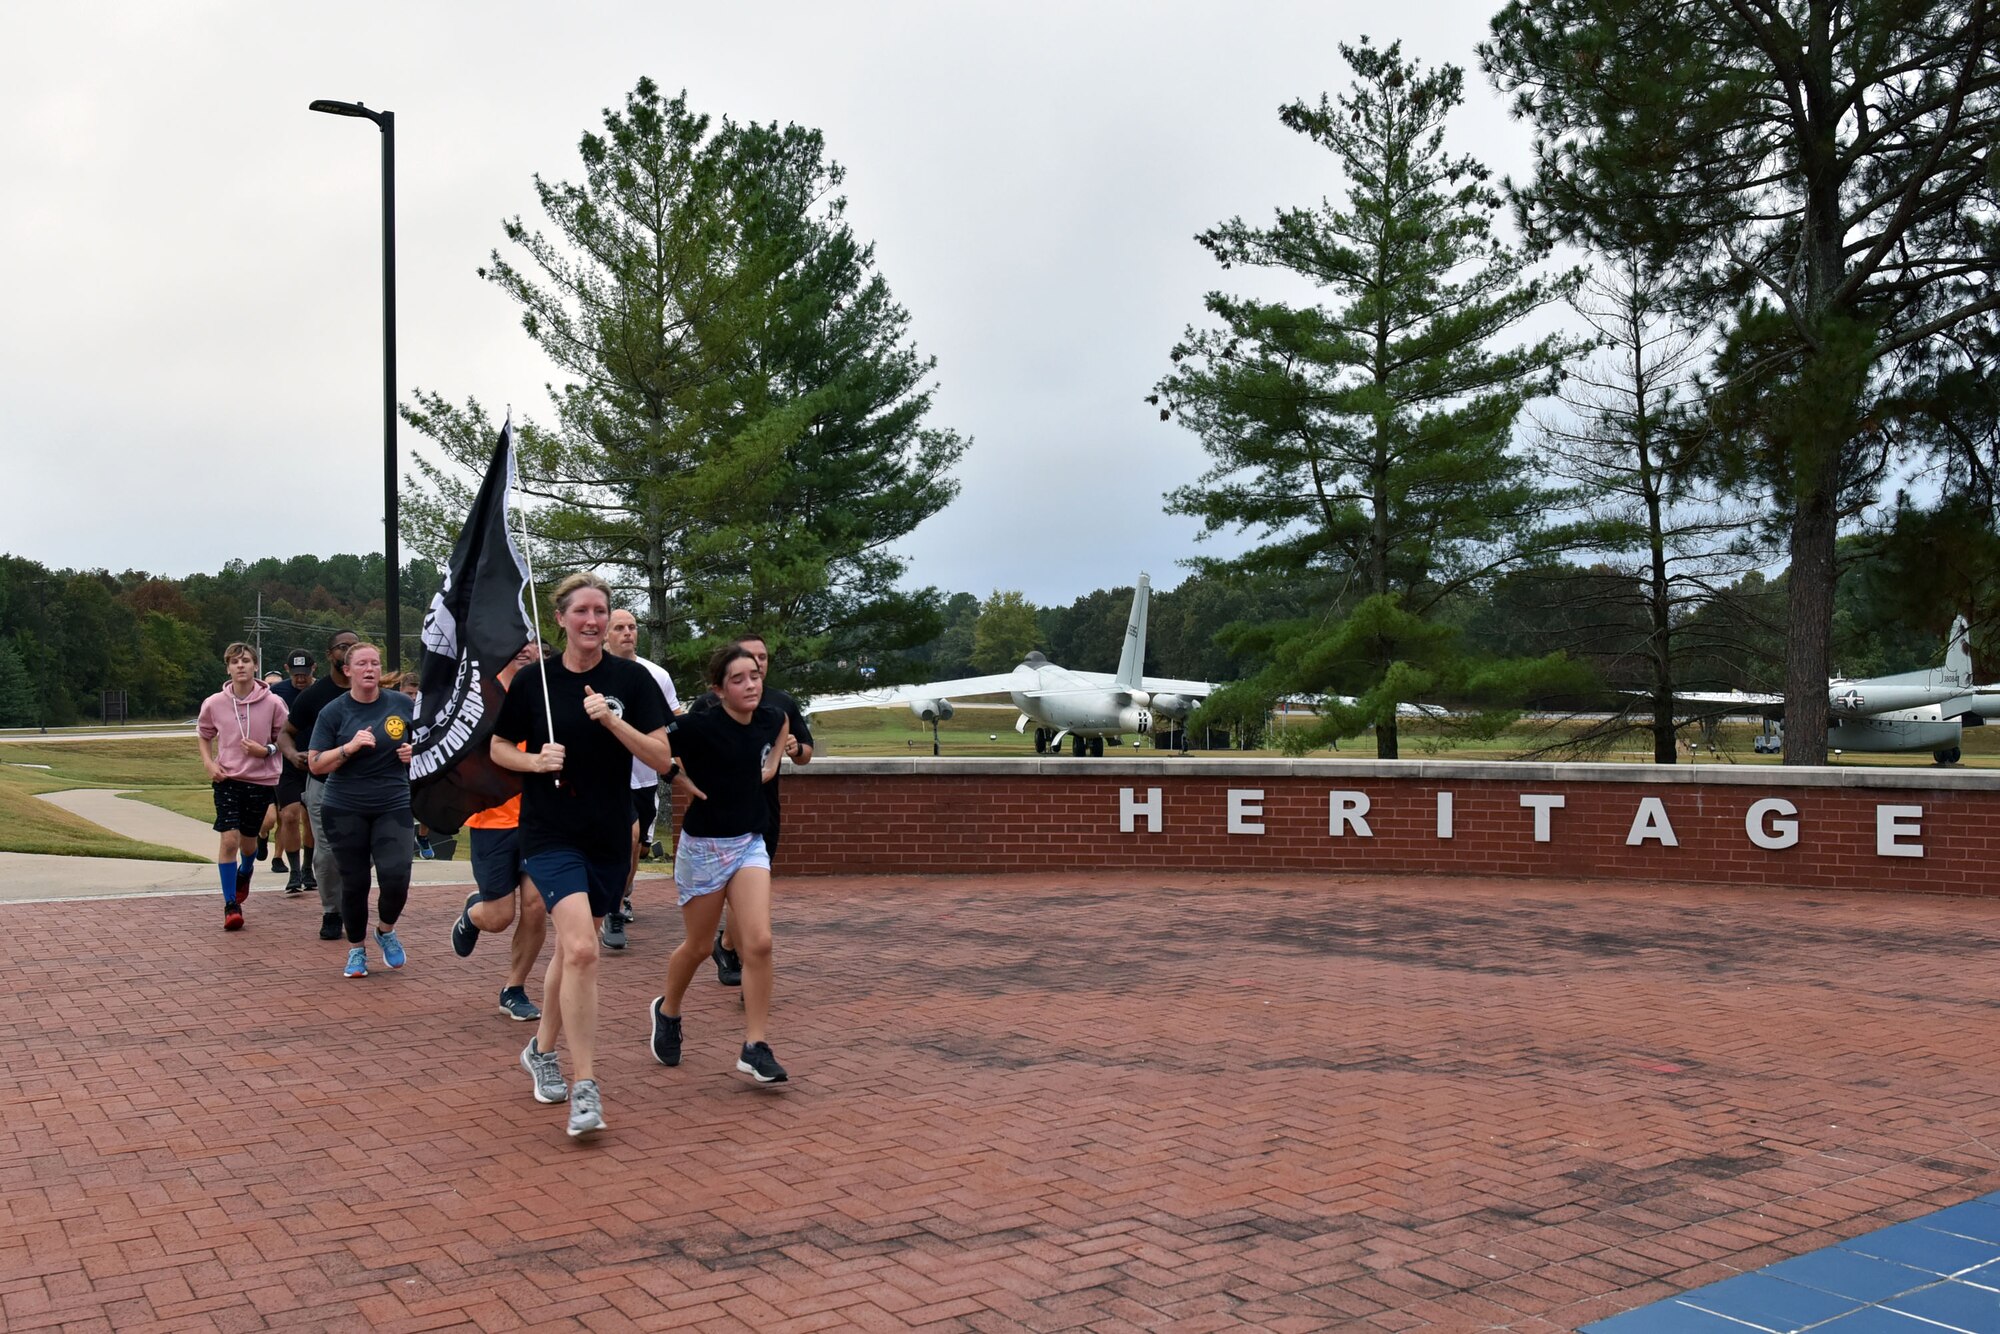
<point x="29" y="825"/>
<point x="979" y="731"/>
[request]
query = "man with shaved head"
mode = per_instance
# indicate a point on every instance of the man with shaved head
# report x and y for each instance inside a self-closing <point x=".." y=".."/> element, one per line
<point x="622" y="639"/>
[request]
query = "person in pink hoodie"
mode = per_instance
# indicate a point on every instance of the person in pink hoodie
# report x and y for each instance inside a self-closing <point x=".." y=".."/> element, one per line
<point x="238" y="731"/>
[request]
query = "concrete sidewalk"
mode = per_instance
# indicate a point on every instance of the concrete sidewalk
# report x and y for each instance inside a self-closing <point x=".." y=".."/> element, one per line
<point x="1033" y="1102"/>
<point x="32" y="877"/>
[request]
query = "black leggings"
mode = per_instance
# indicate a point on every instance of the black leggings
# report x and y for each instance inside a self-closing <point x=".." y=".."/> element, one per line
<point x="386" y="839"/>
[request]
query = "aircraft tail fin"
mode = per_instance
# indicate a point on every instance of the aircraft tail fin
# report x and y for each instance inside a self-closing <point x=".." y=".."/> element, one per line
<point x="1957" y="654"/>
<point x="1132" y="660"/>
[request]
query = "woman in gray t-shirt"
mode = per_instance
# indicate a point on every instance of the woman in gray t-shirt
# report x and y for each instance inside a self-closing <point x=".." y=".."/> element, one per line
<point x="360" y="746"/>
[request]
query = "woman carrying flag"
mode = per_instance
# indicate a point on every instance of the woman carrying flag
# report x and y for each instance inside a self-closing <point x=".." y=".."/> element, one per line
<point x="584" y="716"/>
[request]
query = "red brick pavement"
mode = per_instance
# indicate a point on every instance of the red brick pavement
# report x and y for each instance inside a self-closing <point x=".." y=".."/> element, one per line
<point x="1040" y="1103"/>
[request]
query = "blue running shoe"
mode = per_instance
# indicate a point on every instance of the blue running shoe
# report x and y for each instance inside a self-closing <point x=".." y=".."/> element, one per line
<point x="392" y="948"/>
<point x="357" y="962"/>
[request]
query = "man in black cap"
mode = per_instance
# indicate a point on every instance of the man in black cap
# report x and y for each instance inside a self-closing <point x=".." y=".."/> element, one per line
<point x="295" y="840"/>
<point x="299" y="731"/>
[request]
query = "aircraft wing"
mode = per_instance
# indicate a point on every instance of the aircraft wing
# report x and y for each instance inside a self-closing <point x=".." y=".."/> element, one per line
<point x="888" y="696"/>
<point x="1158" y="684"/>
<point x="1717" y="701"/>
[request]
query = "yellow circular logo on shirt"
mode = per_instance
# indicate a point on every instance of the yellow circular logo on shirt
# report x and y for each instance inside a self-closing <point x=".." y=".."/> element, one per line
<point x="395" y="727"/>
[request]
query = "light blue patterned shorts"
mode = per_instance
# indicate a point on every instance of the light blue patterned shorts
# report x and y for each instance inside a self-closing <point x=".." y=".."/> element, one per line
<point x="704" y="865"/>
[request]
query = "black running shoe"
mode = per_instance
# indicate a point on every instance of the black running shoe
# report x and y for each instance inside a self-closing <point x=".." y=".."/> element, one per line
<point x="666" y="1034"/>
<point x="295" y="883"/>
<point x="757" y="1062"/>
<point x="728" y="964"/>
<point x="464" y="935"/>
<point x="614" y="931"/>
<point x="329" y="926"/>
<point x="263" y="849"/>
<point x="311" y="881"/>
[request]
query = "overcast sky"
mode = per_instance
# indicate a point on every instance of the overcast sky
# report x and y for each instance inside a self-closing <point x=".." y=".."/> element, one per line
<point x="190" y="359"/>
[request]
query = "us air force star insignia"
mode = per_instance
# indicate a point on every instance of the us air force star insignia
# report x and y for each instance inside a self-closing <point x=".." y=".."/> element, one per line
<point x="394" y="727"/>
<point x="617" y="706"/>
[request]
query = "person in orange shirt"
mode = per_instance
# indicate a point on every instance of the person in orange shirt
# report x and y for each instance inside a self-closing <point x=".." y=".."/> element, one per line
<point x="505" y="896"/>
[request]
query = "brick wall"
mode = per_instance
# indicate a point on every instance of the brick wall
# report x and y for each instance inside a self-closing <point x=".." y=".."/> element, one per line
<point x="1847" y="828"/>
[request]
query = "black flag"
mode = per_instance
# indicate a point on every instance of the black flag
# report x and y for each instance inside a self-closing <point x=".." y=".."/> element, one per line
<point x="475" y="626"/>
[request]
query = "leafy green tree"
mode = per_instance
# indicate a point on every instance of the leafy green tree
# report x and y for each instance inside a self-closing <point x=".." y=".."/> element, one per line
<point x="1006" y="631"/>
<point x="743" y="433"/>
<point x="19" y="706"/>
<point x="1367" y="443"/>
<point x="1826" y="170"/>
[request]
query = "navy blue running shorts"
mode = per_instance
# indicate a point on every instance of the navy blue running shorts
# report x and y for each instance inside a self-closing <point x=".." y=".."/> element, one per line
<point x="496" y="862"/>
<point x="561" y="872"/>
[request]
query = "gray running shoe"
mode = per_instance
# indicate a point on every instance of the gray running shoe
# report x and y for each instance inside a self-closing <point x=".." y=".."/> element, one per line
<point x="614" y="932"/>
<point x="545" y="1068"/>
<point x="586" y="1109"/>
<point x="514" y="1003"/>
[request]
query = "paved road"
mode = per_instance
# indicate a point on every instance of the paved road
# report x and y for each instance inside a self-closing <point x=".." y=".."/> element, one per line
<point x="1052" y="1102"/>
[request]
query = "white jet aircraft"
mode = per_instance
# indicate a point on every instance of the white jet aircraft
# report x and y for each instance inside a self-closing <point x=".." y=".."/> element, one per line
<point x="1085" y="708"/>
<point x="1881" y="715"/>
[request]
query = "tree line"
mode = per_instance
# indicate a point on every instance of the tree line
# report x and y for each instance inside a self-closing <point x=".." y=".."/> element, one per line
<point x="68" y="636"/>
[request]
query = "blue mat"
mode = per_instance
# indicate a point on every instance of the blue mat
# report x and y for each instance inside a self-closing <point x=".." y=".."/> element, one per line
<point x="1932" y="1275"/>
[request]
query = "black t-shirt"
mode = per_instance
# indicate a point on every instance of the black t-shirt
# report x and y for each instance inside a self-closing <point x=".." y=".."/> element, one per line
<point x="725" y="759"/>
<point x="774" y="698"/>
<point x="287" y="692"/>
<point x="592" y="810"/>
<point x="372" y="779"/>
<point x="305" y="709"/>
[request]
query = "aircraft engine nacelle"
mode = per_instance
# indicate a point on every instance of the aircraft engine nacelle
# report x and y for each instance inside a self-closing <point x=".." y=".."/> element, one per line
<point x="1172" y="706"/>
<point x="931" y="710"/>
<point x="1135" y="719"/>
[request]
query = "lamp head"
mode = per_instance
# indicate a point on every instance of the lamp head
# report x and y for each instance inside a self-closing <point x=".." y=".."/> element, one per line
<point x="332" y="108"/>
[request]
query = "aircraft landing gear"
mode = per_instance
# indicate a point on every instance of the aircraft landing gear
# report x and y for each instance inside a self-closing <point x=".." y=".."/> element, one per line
<point x="1079" y="746"/>
<point x="1950" y="756"/>
<point x="1041" y="741"/>
<point x="1097" y="747"/>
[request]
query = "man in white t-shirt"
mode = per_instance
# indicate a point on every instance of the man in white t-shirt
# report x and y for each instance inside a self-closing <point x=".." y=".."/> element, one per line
<point x="622" y="638"/>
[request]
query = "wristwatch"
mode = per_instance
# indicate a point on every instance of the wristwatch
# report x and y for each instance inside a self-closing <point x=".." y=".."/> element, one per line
<point x="673" y="771"/>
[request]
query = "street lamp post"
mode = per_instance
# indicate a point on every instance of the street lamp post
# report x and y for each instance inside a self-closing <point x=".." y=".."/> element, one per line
<point x="385" y="121"/>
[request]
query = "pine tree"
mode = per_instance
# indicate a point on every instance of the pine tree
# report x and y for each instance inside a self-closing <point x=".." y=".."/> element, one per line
<point x="1667" y="537"/>
<point x="1367" y="443"/>
<point x="742" y="435"/>
<point x="1825" y="169"/>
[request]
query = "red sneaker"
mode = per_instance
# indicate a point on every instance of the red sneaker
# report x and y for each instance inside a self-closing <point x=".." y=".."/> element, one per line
<point x="232" y="918"/>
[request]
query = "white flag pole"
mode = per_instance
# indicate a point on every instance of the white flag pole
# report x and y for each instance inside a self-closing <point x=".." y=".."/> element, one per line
<point x="534" y="599"/>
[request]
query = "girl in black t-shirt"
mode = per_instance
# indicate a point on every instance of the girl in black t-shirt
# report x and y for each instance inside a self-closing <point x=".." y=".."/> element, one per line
<point x="729" y="753"/>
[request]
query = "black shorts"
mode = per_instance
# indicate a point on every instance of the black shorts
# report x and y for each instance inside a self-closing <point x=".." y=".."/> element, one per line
<point x="241" y="806"/>
<point x="646" y="810"/>
<point x="291" y="785"/>
<point x="496" y="862"/>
